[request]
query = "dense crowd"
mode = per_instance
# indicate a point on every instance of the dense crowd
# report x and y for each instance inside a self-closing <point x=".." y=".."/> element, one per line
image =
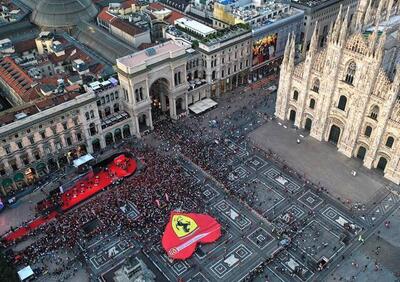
<point x="160" y="187"/>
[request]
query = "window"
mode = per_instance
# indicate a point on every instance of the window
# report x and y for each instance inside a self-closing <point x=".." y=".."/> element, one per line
<point x="112" y="96"/>
<point x="137" y="98"/>
<point x="7" y="149"/>
<point x="26" y="161"/>
<point x="79" y="136"/>
<point x="92" y="129"/>
<point x="342" y="103"/>
<point x="64" y="125"/>
<point x="368" y="131"/>
<point x="116" y="108"/>
<point x="315" y="87"/>
<point x="295" y="95"/>
<point x="43" y="134"/>
<point x="103" y="101"/>
<point x="37" y="156"/>
<point x="91" y="113"/>
<point x="69" y="142"/>
<point x="14" y="167"/>
<point x="31" y="140"/>
<point x="87" y="116"/>
<point x="116" y="95"/>
<point x="222" y="73"/>
<point x="389" y="142"/>
<point x="351" y="70"/>
<point x="141" y="92"/>
<point x="213" y="75"/>
<point x="374" y="112"/>
<point x="19" y="144"/>
<point x="312" y="103"/>
<point x="108" y="98"/>
<point x="98" y="102"/>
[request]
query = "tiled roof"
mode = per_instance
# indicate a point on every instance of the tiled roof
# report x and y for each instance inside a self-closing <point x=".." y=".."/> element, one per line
<point x="25" y="45"/>
<point x="17" y="79"/>
<point x="127" y="27"/>
<point x="105" y="16"/>
<point x="171" y="18"/>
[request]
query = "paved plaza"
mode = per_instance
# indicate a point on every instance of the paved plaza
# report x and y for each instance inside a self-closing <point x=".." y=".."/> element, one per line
<point x="321" y="163"/>
<point x="275" y="226"/>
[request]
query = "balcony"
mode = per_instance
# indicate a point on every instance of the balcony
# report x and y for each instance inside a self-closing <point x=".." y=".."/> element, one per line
<point x="193" y="84"/>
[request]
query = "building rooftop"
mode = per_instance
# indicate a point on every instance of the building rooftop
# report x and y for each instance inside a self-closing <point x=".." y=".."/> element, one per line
<point x="159" y="11"/>
<point x="140" y="60"/>
<point x="312" y="3"/>
<point x="180" y="5"/>
<point x="195" y="26"/>
<point x="16" y="77"/>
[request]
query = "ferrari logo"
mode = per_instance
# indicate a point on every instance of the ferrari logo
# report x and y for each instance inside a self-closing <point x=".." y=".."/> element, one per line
<point x="183" y="225"/>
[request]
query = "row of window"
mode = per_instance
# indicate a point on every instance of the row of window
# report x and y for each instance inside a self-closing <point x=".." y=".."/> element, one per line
<point x="107" y="98"/>
<point x="58" y="145"/>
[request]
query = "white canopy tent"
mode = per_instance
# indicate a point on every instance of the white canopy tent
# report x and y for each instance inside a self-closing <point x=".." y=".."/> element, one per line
<point x="82" y="160"/>
<point x="25" y="273"/>
<point x="202" y="106"/>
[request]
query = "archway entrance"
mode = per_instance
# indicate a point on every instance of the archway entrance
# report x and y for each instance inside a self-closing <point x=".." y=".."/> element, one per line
<point x="159" y="91"/>
<point x="126" y="130"/>
<point x="361" y="153"/>
<point x="334" y="134"/>
<point x="179" y="106"/>
<point x="143" y="122"/>
<point x="109" y="139"/>
<point x="308" y="124"/>
<point x="96" y="145"/>
<point x="118" y="135"/>
<point x="292" y="115"/>
<point x="382" y="164"/>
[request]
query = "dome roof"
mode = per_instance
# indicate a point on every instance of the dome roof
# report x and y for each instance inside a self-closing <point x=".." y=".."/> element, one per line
<point x="62" y="13"/>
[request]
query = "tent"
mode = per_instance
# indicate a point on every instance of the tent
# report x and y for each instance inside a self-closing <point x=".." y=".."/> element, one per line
<point x="82" y="160"/>
<point x="202" y="106"/>
<point x="25" y="273"/>
<point x="185" y="230"/>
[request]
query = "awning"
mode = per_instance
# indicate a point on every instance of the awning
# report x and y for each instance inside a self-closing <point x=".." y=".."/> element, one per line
<point x="202" y="106"/>
<point x="82" y="160"/>
<point x="25" y="273"/>
<point x="19" y="176"/>
<point x="7" y="182"/>
<point x="40" y="166"/>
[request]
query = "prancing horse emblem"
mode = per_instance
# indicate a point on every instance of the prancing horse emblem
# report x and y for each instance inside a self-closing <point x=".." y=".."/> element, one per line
<point x="183" y="225"/>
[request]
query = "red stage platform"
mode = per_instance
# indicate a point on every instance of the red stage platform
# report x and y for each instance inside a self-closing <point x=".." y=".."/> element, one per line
<point x="119" y="168"/>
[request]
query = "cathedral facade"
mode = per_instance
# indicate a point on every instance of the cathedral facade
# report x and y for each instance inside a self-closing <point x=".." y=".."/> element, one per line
<point x="343" y="94"/>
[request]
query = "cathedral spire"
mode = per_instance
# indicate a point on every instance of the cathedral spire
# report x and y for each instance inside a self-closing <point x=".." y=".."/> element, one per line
<point x="380" y="48"/>
<point x="361" y="13"/>
<point x="314" y="39"/>
<point x="389" y="9"/>
<point x="292" y="52"/>
<point x="287" y="50"/>
<point x="343" y="31"/>
<point x="372" y="39"/>
<point x="336" y="27"/>
<point x="367" y="17"/>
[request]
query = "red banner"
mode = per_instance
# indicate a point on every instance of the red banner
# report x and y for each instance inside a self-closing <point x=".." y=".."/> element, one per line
<point x="185" y="230"/>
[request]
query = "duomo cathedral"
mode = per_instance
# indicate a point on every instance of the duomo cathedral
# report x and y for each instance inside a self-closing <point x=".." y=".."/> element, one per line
<point x="348" y="92"/>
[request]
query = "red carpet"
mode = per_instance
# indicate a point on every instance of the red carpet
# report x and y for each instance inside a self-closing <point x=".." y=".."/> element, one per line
<point x="119" y="168"/>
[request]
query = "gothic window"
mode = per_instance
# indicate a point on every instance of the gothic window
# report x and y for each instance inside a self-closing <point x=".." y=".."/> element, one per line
<point x="389" y="142"/>
<point x="92" y="114"/>
<point x="368" y="131"/>
<point x="374" y="112"/>
<point x="351" y="71"/>
<point x="312" y="103"/>
<point x="87" y="116"/>
<point x="342" y="103"/>
<point x="213" y="75"/>
<point x="295" y="95"/>
<point x="315" y="87"/>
